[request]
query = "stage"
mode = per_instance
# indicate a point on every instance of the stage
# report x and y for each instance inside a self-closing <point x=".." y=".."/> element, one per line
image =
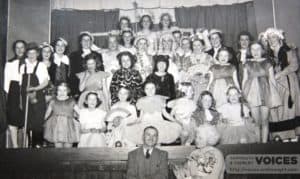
<point x="110" y="163"/>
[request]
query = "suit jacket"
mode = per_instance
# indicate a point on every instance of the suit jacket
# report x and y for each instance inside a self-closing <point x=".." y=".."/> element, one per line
<point x="155" y="167"/>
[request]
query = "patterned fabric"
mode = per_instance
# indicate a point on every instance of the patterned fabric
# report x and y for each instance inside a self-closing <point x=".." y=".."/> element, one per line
<point x="129" y="78"/>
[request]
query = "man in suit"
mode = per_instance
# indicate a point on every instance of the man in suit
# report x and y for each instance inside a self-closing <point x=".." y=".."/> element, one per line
<point x="148" y="162"/>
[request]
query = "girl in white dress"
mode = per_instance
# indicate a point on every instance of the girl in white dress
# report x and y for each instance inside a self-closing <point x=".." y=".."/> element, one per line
<point x="238" y="126"/>
<point x="92" y="123"/>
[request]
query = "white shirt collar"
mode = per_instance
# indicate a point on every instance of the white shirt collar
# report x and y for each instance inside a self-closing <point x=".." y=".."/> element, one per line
<point x="145" y="150"/>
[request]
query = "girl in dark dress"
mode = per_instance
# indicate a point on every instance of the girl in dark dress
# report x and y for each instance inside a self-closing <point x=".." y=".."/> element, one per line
<point x="126" y="76"/>
<point x="12" y="88"/>
<point x="34" y="79"/>
<point x="163" y="80"/>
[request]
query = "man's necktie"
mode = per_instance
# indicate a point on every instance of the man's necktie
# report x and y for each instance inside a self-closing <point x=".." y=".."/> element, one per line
<point x="147" y="154"/>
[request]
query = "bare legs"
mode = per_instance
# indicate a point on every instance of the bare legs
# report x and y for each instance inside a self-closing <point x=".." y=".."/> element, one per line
<point x="63" y="145"/>
<point x="261" y="114"/>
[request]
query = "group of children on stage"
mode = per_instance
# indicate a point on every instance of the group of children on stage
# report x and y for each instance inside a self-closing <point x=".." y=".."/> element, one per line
<point x="176" y="82"/>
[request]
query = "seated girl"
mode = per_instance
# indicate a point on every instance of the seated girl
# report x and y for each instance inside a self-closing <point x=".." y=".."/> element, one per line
<point x="121" y="115"/>
<point x="182" y="110"/>
<point x="152" y="107"/>
<point x="206" y="112"/>
<point x="238" y="126"/>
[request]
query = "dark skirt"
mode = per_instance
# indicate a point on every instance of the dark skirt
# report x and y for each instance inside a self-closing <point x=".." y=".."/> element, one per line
<point x="14" y="113"/>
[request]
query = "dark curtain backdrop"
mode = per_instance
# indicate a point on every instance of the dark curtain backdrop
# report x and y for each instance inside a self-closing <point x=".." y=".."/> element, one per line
<point x="69" y="24"/>
<point x="231" y="19"/>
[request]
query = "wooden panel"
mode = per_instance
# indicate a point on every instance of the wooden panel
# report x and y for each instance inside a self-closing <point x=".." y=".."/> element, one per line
<point x="110" y="163"/>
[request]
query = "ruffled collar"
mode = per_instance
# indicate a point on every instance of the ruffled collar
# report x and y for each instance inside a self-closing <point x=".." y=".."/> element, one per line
<point x="58" y="60"/>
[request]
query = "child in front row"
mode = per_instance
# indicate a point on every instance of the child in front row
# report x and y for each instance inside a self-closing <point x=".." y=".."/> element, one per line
<point x="92" y="122"/>
<point x="237" y="126"/>
<point x="61" y="128"/>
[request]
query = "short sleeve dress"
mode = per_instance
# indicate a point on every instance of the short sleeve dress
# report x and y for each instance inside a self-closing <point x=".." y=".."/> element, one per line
<point x="92" y="120"/>
<point x="61" y="125"/>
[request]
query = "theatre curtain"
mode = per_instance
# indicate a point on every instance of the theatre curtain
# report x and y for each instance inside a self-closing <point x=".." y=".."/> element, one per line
<point x="231" y="19"/>
<point x="69" y="23"/>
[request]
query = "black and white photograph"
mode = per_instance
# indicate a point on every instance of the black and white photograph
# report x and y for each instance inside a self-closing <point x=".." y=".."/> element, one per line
<point x="149" y="89"/>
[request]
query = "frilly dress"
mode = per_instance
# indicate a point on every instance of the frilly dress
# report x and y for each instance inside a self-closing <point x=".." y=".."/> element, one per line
<point x="236" y="129"/>
<point x="151" y="109"/>
<point x="61" y="125"/>
<point x="92" y="120"/>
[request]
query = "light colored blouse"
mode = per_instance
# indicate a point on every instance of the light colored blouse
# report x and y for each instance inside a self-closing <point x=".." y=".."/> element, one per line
<point x="11" y="73"/>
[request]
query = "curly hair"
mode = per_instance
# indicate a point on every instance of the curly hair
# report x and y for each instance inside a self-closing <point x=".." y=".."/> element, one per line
<point x="96" y="58"/>
<point x="131" y="57"/>
<point x="161" y="18"/>
<point x="140" y="23"/>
